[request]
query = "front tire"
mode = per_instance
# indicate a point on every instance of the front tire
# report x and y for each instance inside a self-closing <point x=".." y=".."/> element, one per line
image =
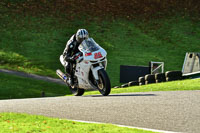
<point x="77" y="91"/>
<point x="104" y="83"/>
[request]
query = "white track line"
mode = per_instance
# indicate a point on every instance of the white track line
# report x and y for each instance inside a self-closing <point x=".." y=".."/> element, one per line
<point x="147" y="129"/>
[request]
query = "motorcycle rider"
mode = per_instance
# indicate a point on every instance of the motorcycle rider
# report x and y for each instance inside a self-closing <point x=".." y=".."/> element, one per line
<point x="67" y="58"/>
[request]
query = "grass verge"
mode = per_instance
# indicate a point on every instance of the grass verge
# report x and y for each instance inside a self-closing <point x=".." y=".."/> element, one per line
<point x="167" y="86"/>
<point x="12" y="122"/>
<point x="12" y="87"/>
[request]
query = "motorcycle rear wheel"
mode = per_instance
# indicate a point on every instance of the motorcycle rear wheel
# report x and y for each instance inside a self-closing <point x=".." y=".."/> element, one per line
<point x="77" y="91"/>
<point x="104" y="83"/>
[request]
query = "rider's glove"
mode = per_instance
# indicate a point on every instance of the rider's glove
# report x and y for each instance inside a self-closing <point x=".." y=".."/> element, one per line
<point x="71" y="59"/>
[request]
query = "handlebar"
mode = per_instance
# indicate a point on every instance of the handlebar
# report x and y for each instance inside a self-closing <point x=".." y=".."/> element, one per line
<point x="78" y="56"/>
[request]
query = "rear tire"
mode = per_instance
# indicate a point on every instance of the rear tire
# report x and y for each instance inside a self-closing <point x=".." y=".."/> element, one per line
<point x="104" y="85"/>
<point x="77" y="91"/>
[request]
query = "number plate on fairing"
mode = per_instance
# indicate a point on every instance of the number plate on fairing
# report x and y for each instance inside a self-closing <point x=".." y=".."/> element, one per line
<point x="98" y="55"/>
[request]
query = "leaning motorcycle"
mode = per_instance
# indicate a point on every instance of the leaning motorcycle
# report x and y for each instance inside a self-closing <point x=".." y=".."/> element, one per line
<point x="90" y="70"/>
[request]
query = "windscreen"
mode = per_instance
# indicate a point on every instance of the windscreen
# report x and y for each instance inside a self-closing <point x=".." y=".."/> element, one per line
<point x="89" y="45"/>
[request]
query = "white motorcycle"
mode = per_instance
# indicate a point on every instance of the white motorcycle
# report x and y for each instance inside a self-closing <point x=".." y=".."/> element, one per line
<point x="89" y="70"/>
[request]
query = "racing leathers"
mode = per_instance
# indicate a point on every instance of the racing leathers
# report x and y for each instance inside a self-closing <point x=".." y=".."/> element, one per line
<point x="67" y="58"/>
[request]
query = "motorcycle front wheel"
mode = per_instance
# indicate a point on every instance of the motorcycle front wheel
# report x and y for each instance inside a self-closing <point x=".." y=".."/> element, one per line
<point x="104" y="83"/>
<point x="77" y="91"/>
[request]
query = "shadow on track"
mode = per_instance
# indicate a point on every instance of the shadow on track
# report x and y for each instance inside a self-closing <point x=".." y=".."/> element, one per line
<point x="121" y="95"/>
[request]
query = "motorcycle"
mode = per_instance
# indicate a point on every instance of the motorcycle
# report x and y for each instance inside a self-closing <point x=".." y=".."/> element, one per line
<point x="90" y="70"/>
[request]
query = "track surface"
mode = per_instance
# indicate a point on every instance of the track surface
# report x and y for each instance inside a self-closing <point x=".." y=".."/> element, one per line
<point x="33" y="76"/>
<point x="177" y="111"/>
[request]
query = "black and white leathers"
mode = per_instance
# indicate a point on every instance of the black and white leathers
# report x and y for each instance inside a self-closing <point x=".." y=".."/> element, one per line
<point x="71" y="49"/>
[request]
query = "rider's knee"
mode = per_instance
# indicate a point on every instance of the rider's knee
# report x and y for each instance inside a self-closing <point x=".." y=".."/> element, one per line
<point x="62" y="61"/>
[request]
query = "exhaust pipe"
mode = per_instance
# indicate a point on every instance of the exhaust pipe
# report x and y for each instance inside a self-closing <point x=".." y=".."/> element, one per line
<point x="61" y="75"/>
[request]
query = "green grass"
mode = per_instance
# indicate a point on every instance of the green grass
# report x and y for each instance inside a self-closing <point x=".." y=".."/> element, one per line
<point x="34" y="43"/>
<point x="167" y="86"/>
<point x="13" y="87"/>
<point x="23" y="123"/>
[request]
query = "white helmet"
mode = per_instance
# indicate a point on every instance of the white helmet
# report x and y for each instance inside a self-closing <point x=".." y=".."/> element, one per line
<point x="81" y="34"/>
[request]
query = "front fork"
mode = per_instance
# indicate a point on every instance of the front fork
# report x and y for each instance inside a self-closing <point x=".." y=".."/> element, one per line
<point x="95" y="72"/>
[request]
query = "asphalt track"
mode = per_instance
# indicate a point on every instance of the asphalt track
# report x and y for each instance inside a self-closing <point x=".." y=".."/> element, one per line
<point x="177" y="111"/>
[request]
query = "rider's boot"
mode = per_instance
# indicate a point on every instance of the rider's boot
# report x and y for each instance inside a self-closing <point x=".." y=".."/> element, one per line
<point x="70" y="79"/>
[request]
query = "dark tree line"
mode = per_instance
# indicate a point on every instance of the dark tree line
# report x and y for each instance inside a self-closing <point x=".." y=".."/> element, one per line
<point x="115" y="8"/>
